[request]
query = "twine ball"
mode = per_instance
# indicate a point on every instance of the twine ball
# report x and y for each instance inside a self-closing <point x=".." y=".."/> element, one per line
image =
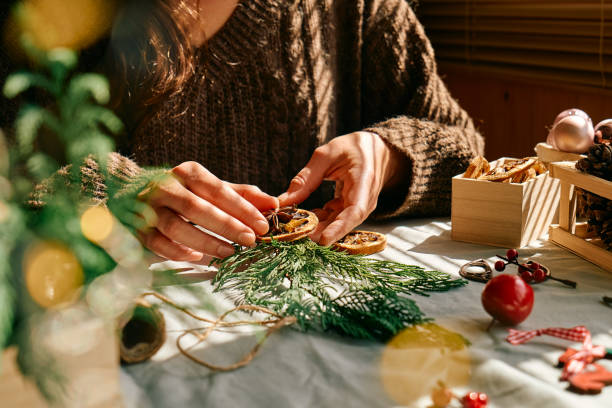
<point x="572" y="132"/>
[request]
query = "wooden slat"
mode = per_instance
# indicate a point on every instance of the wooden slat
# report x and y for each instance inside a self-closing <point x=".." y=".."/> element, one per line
<point x="537" y="38"/>
<point x="524" y="10"/>
<point x="566" y="78"/>
<point x="521" y="41"/>
<point x="566" y="172"/>
<point x="577" y="28"/>
<point x="583" y="230"/>
<point x="587" y="250"/>
<point x="567" y="207"/>
<point x="527" y="58"/>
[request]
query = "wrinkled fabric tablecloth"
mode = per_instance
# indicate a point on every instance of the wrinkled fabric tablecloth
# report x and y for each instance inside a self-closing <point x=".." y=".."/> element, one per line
<point x="296" y="369"/>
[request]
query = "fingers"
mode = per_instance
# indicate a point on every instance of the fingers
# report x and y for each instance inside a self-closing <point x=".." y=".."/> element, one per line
<point x="230" y="211"/>
<point x="347" y="212"/>
<point x="205" y="214"/>
<point x="180" y="231"/>
<point x="255" y="196"/>
<point x="348" y="219"/>
<point x="166" y="248"/>
<point x="309" y="178"/>
<point x="326" y="216"/>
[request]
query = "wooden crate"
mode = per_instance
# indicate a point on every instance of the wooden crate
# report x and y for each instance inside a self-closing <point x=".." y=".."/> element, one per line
<point x="568" y="233"/>
<point x="509" y="215"/>
<point x="548" y="154"/>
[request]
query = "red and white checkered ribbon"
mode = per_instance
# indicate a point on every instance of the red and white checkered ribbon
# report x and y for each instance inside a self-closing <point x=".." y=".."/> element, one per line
<point x="577" y="362"/>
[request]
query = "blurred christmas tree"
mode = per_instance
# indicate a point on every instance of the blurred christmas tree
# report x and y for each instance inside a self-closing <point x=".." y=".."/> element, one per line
<point x="51" y="252"/>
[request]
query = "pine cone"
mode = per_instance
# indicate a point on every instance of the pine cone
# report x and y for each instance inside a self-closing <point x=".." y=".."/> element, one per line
<point x="598" y="161"/>
<point x="598" y="211"/>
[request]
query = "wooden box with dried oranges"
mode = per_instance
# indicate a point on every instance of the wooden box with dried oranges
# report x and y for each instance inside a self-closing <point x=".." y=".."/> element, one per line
<point x="507" y="203"/>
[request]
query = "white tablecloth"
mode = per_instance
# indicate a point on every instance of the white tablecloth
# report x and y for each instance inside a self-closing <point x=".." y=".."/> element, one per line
<point x="295" y="369"/>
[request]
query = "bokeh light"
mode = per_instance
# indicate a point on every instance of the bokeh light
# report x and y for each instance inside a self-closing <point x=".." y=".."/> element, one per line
<point x="106" y="299"/>
<point x="53" y="274"/>
<point x="97" y="223"/>
<point x="4" y="211"/>
<point x="418" y="357"/>
<point x="74" y="24"/>
<point x="59" y="328"/>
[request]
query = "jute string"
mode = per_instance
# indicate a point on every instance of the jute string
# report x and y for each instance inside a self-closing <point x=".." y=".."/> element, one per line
<point x="274" y="324"/>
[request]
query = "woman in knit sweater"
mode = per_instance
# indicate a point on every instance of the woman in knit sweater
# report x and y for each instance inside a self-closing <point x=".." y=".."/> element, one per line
<point x="242" y="97"/>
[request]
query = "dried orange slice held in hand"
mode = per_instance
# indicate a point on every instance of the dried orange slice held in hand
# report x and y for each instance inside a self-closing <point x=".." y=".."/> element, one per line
<point x="288" y="224"/>
<point x="361" y="243"/>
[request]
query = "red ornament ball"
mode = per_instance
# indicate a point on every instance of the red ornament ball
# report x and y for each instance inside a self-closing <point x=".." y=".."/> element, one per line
<point x="511" y="254"/>
<point x="508" y="299"/>
<point x="500" y="266"/>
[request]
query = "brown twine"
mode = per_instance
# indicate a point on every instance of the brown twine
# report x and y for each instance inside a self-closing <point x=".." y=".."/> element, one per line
<point x="272" y="324"/>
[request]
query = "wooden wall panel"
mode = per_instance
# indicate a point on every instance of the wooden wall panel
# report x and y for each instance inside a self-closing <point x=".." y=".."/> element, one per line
<point x="514" y="113"/>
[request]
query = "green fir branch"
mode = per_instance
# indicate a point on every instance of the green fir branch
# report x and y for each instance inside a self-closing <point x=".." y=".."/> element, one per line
<point x="326" y="290"/>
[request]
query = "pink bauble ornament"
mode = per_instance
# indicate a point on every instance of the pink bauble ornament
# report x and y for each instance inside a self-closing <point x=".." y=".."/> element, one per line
<point x="572" y="132"/>
<point x="603" y="131"/>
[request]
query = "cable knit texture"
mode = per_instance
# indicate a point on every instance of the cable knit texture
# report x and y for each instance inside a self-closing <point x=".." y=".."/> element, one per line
<point x="282" y="77"/>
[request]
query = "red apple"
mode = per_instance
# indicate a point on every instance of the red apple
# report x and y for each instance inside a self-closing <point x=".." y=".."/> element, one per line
<point x="508" y="299"/>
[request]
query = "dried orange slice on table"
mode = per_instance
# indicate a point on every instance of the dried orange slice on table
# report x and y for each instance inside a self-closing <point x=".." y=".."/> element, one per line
<point x="361" y="243"/>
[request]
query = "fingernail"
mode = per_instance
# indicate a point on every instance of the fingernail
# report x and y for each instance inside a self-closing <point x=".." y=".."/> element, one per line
<point x="261" y="226"/>
<point x="224" y="251"/>
<point x="195" y="256"/>
<point x="246" y="238"/>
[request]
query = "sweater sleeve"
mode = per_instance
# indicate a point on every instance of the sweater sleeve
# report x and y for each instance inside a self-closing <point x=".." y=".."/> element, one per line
<point x="405" y="102"/>
<point x="125" y="180"/>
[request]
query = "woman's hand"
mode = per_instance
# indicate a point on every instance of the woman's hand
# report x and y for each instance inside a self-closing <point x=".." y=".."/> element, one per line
<point x="193" y="195"/>
<point x="362" y="165"/>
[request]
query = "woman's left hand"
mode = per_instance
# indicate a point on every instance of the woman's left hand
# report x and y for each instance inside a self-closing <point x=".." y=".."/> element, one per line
<point x="362" y="165"/>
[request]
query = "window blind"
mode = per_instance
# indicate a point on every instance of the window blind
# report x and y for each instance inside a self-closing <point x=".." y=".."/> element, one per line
<point x="560" y="40"/>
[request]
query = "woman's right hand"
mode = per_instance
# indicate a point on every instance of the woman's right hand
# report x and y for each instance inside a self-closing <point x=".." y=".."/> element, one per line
<point x="193" y="195"/>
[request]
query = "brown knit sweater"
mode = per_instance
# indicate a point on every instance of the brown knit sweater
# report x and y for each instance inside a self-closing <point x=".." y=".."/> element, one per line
<point x="282" y="77"/>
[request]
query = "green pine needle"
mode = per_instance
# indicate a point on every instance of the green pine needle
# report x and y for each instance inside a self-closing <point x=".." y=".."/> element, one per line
<point x="326" y="290"/>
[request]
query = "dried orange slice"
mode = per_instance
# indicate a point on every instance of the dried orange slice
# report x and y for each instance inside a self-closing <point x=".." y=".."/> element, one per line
<point x="361" y="243"/>
<point x="477" y="167"/>
<point x="508" y="169"/>
<point x="289" y="224"/>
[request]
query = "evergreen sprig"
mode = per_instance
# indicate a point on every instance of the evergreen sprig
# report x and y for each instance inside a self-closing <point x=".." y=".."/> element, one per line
<point x="326" y="290"/>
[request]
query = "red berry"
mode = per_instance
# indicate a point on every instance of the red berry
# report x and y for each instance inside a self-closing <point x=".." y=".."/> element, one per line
<point x="539" y="275"/>
<point x="500" y="266"/>
<point x="534" y="265"/>
<point x="527" y="276"/>
<point x="511" y="254"/>
<point x="523" y="268"/>
<point x="474" y="400"/>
